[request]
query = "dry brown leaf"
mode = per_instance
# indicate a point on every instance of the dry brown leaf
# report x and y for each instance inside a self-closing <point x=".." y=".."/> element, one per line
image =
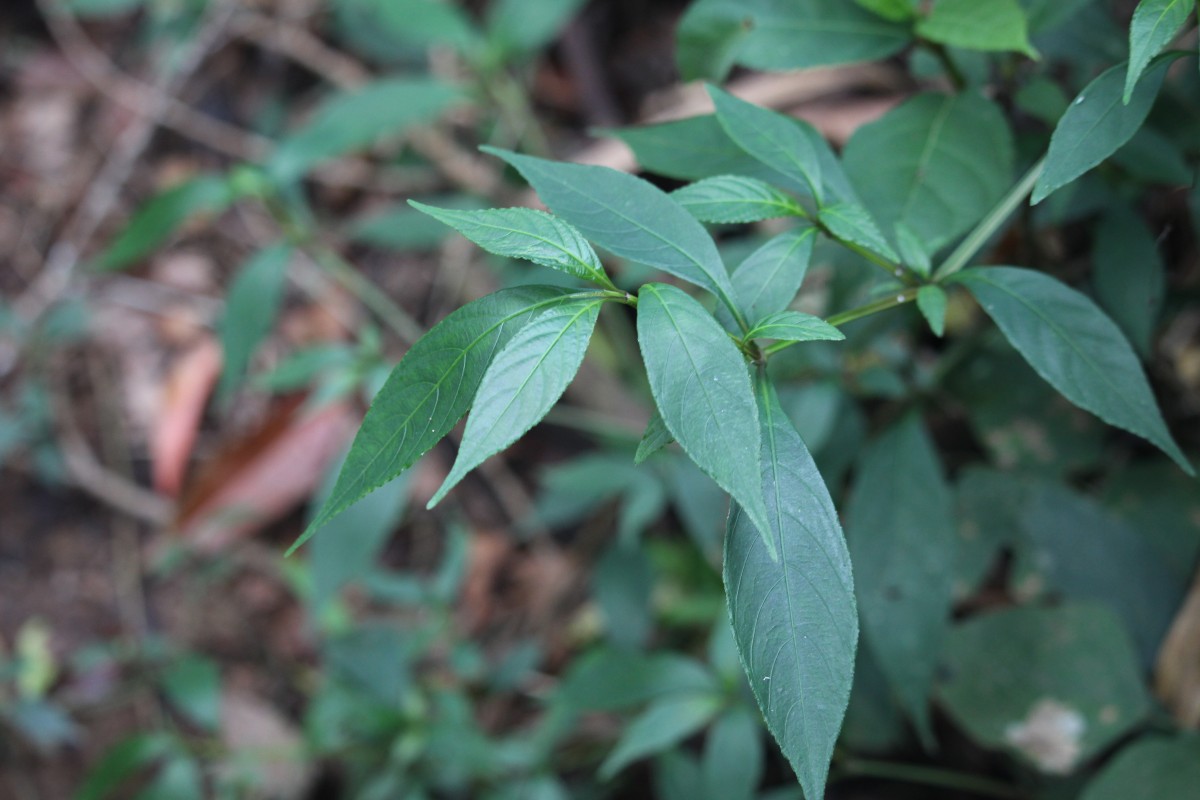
<point x="185" y="393"/>
<point x="1177" y="677"/>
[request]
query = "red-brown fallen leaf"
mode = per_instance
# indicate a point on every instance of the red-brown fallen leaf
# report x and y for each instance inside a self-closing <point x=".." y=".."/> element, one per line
<point x="184" y="395"/>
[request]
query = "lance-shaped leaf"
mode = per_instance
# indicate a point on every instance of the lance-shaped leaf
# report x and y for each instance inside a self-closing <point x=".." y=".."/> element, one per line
<point x="250" y="312"/>
<point x="664" y="724"/>
<point x="987" y="25"/>
<point x="772" y="138"/>
<point x="852" y="223"/>
<point x="1097" y="123"/>
<point x="795" y="326"/>
<point x="1155" y="23"/>
<point x="767" y="281"/>
<point x="629" y="217"/>
<point x="734" y="199"/>
<point x="526" y="234"/>
<point x="702" y="388"/>
<point x="931" y="299"/>
<point x="655" y="438"/>
<point x="523" y="382"/>
<point x="1129" y="275"/>
<point x="794" y="618"/>
<point x="1074" y="347"/>
<point x="428" y="392"/>
<point x="902" y="540"/>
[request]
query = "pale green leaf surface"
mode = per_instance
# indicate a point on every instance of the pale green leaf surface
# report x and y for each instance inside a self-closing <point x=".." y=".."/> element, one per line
<point x="794" y="618"/>
<point x="978" y="25"/>
<point x="521" y="27"/>
<point x="913" y="252"/>
<point x="733" y="756"/>
<point x="900" y="527"/>
<point x="384" y="28"/>
<point x="931" y="300"/>
<point x="665" y="723"/>
<point x="250" y="311"/>
<point x="852" y="223"/>
<point x="1129" y="275"/>
<point x="612" y="679"/>
<point x="895" y="10"/>
<point x="192" y="685"/>
<point x="1074" y="347"/>
<point x="767" y="281"/>
<point x="794" y="326"/>
<point x="920" y="165"/>
<point x="701" y="385"/>
<point x="629" y="217"/>
<point x="523" y="382"/>
<point x="1150" y="769"/>
<point x="655" y="438"/>
<point x="526" y="234"/>
<point x="1097" y="123"/>
<point x="1155" y="23"/>
<point x="772" y="138"/>
<point x="793" y="34"/>
<point x="735" y="199"/>
<point x="429" y="391"/>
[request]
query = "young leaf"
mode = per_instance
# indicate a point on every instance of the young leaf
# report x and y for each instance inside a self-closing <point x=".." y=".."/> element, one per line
<point x="1151" y="769"/>
<point x="665" y="723"/>
<point x="794" y="618"/>
<point x="772" y="138"/>
<point x="852" y="223"/>
<point x="250" y="312"/>
<point x="794" y="326"/>
<point x="769" y="278"/>
<point x="931" y="300"/>
<point x="429" y="391"/>
<point x="1129" y="275"/>
<point x="912" y="250"/>
<point x="523" y="382"/>
<point x="654" y="439"/>
<point x="1074" y="347"/>
<point x="734" y="199"/>
<point x="352" y="120"/>
<point x="978" y="25"/>
<point x="629" y="217"/>
<point x="900" y="526"/>
<point x="526" y="234"/>
<point x="1155" y="23"/>
<point x="920" y="165"/>
<point x="702" y="387"/>
<point x="1097" y="123"/>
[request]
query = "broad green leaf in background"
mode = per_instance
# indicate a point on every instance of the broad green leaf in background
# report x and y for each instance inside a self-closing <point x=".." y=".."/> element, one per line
<point x="735" y="199"/>
<point x="387" y="26"/>
<point x="931" y="300"/>
<point x="709" y="37"/>
<point x="772" y="138"/>
<point x="895" y="10"/>
<point x="990" y="25"/>
<point x="1074" y="347"/>
<point x="794" y="617"/>
<point x="193" y="687"/>
<point x="429" y="391"/>
<point x="900" y="526"/>
<point x="677" y="776"/>
<point x="1163" y="506"/>
<point x="1046" y="15"/>
<point x="852" y="223"/>
<point x="520" y="27"/>
<point x="1054" y="685"/>
<point x="402" y="227"/>
<point x="767" y="281"/>
<point x="122" y="762"/>
<point x="665" y="723"/>
<point x="352" y="120"/>
<point x="523" y="382"/>
<point x="250" y="311"/>
<point x="526" y="234"/>
<point x="1129" y="275"/>
<point x="988" y="506"/>
<point x="1097" y="123"/>
<point x="1155" y="23"/>
<point x="794" y="326"/>
<point x="701" y="385"/>
<point x="655" y="438"/>
<point x="629" y="217"/>
<point x="1153" y="768"/>
<point x="611" y="679"/>
<point x="102" y="8"/>
<point x="733" y="756"/>
<point x="920" y="165"/>
<point x="162" y="216"/>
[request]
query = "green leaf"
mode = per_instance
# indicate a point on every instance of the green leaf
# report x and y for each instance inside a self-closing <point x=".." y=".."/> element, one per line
<point x="352" y="120"/>
<point x="121" y="762"/>
<point x="1129" y="275"/>
<point x="895" y="10"/>
<point x="384" y="29"/>
<point x="932" y="302"/>
<point x="1074" y="347"/>
<point x="526" y="234"/>
<point x="614" y="679"/>
<point x="708" y="39"/>
<point x="902" y="541"/>
<point x="1056" y="686"/>
<point x="1155" y="23"/>
<point x="852" y="223"/>
<point x="193" y="687"/>
<point x="733" y="756"/>
<point x="794" y="326"/>
<point x="1150" y="769"/>
<point x="162" y="216"/>
<point x="523" y="382"/>
<point x="664" y="724"/>
<point x="102" y="8"/>
<point x="912" y="251"/>
<point x="629" y="217"/>
<point x="520" y="27"/>
<point x="794" y="618"/>
<point x="767" y="281"/>
<point x="772" y="138"/>
<point x="1097" y="123"/>
<point x="978" y="25"/>
<point x="654" y="439"/>
<point x="429" y="391"/>
<point x="701" y="385"/>
<point x="250" y="311"/>
<point x="735" y="199"/>
<point x="919" y="165"/>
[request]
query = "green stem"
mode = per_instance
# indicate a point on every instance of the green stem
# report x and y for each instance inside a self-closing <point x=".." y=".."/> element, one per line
<point x="850" y="315"/>
<point x="926" y="776"/>
<point x="952" y="71"/>
<point x="976" y="239"/>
